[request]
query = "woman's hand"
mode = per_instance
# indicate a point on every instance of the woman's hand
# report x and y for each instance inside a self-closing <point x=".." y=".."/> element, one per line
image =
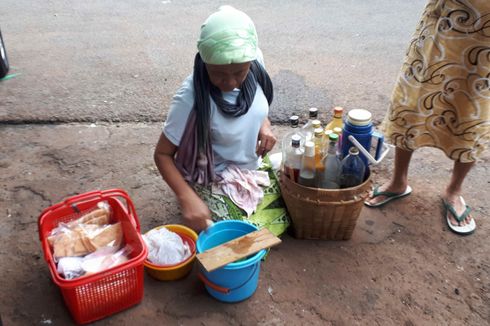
<point x="196" y="213"/>
<point x="266" y="140"/>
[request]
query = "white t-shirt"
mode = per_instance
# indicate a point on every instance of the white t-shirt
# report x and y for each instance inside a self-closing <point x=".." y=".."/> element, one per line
<point x="233" y="139"/>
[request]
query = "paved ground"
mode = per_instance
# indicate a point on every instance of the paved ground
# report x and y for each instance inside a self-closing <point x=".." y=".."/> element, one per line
<point x="85" y="111"/>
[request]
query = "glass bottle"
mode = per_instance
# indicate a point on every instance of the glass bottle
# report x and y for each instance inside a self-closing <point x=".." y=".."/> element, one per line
<point x="337" y="119"/>
<point x="338" y="131"/>
<point x="307" y="172"/>
<point x="286" y="141"/>
<point x="308" y="127"/>
<point x="319" y="150"/>
<point x="353" y="169"/>
<point x="326" y="134"/>
<point x="292" y="159"/>
<point x="329" y="179"/>
<point x="316" y="124"/>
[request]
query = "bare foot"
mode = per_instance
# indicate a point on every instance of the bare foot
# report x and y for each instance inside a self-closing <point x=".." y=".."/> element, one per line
<point x="387" y="187"/>
<point x="456" y="201"/>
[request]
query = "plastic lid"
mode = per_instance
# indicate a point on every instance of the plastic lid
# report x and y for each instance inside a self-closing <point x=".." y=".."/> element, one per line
<point x="296" y="139"/>
<point x="359" y="117"/>
<point x="310" y="149"/>
<point x="327" y="132"/>
<point x="316" y="124"/>
<point x="294" y="120"/>
<point x="337" y="130"/>
<point x="313" y="112"/>
<point x="338" y="109"/>
<point x="318" y="132"/>
<point x="333" y="137"/>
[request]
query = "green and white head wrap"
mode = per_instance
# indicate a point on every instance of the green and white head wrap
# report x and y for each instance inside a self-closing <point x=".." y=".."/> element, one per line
<point x="228" y="36"/>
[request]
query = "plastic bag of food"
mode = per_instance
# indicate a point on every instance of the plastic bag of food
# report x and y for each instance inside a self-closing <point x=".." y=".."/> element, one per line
<point x="105" y="258"/>
<point x="70" y="267"/>
<point x="86" y="234"/>
<point x="99" y="215"/>
<point x="166" y="247"/>
<point x="87" y="238"/>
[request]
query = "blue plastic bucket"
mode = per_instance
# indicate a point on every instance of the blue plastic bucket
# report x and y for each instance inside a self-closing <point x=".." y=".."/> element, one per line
<point x="236" y="281"/>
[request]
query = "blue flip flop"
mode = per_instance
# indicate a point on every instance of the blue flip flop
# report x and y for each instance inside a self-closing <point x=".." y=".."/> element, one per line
<point x="466" y="229"/>
<point x="389" y="196"/>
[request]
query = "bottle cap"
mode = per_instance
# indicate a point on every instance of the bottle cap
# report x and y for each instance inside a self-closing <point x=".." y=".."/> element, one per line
<point x="333" y="137"/>
<point x="338" y="110"/>
<point x="313" y="112"/>
<point x="294" y="121"/>
<point x="310" y="149"/>
<point x="337" y="130"/>
<point x="354" y="150"/>
<point x="295" y="138"/>
<point x="318" y="132"/>
<point x="327" y="132"/>
<point x="316" y="124"/>
<point x="359" y="117"/>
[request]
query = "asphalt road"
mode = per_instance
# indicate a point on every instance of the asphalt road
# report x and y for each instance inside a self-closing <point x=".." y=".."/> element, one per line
<point x="121" y="61"/>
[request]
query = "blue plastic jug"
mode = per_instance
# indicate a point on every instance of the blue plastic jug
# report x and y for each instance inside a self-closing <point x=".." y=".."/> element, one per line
<point x="359" y="125"/>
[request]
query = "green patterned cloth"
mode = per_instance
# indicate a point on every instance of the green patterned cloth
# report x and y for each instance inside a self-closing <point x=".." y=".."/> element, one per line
<point x="270" y="213"/>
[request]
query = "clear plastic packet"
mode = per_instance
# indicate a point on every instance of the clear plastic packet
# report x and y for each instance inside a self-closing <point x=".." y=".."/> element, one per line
<point x="105" y="258"/>
<point x="87" y="238"/>
<point x="101" y="214"/>
<point x="98" y="261"/>
<point x="86" y="234"/>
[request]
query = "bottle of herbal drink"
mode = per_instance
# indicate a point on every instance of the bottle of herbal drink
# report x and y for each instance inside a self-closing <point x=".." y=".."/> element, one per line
<point x="319" y="150"/>
<point x="337" y="119"/>
<point x="307" y="172"/>
<point x="329" y="179"/>
<point x="353" y="169"/>
<point x="294" y="130"/>
<point x="338" y="131"/>
<point x="292" y="159"/>
<point x="308" y="127"/>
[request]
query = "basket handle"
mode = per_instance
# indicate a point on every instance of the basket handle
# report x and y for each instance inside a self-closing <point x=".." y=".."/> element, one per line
<point x="67" y="201"/>
<point x="97" y="194"/>
<point x="82" y="197"/>
<point x="129" y="204"/>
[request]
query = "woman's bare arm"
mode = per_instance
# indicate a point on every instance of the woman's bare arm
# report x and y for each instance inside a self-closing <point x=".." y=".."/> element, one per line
<point x="195" y="212"/>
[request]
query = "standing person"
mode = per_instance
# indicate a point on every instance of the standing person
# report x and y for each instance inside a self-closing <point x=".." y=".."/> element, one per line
<point x="217" y="131"/>
<point x="442" y="100"/>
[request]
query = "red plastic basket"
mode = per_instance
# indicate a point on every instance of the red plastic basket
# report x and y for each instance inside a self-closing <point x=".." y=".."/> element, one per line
<point x="99" y="295"/>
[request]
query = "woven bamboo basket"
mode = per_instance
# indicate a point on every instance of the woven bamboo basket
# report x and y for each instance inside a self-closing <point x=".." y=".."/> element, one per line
<point x="327" y="214"/>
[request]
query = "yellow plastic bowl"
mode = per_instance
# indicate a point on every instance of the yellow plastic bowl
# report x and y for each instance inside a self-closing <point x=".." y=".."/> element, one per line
<point x="174" y="272"/>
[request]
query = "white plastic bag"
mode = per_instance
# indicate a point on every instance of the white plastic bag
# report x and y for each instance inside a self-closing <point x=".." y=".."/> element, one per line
<point x="70" y="267"/>
<point x="166" y="247"/>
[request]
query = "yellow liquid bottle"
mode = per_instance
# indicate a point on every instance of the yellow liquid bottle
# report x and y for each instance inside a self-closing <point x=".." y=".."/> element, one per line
<point x="336" y="121"/>
<point x="319" y="149"/>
